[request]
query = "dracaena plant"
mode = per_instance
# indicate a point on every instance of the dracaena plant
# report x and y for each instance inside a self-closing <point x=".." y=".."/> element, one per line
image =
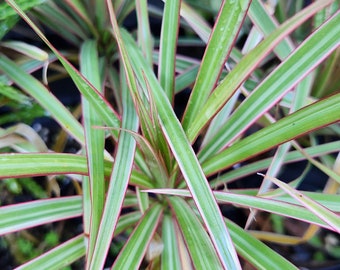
<point x="266" y="84"/>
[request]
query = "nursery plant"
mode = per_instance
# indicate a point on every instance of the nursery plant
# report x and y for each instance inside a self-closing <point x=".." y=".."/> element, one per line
<point x="165" y="137"/>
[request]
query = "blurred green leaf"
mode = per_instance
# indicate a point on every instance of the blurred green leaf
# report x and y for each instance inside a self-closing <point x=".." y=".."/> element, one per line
<point x="40" y="93"/>
<point x="14" y="94"/>
<point x="145" y="39"/>
<point x="26" y="49"/>
<point x="61" y="22"/>
<point x="8" y="17"/>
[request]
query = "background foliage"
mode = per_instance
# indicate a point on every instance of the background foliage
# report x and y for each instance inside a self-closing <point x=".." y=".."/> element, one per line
<point x="167" y="131"/>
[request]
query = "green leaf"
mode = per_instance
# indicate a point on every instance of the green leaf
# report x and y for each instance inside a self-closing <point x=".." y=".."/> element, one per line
<point x="326" y="81"/>
<point x="196" y="22"/>
<point x="126" y="221"/>
<point x="331" y="201"/>
<point x="89" y="65"/>
<point x="154" y="162"/>
<point x="78" y="7"/>
<point x="6" y="10"/>
<point x="301" y="94"/>
<point x="139" y="240"/>
<point x="254" y="167"/>
<point x="170" y="255"/>
<point x="118" y="184"/>
<point x="270" y="205"/>
<point x="26" y="215"/>
<point x="255" y="252"/>
<point x="264" y="22"/>
<point x="185" y="79"/>
<point x="26" y="49"/>
<point x="21" y="165"/>
<point x="332" y="174"/>
<point x="145" y="39"/>
<point x="18" y="165"/>
<point x="13" y="93"/>
<point x="314" y="116"/>
<point x="123" y="8"/>
<point x="59" y="257"/>
<point x="196" y="238"/>
<point x="167" y="49"/>
<point x="56" y="18"/>
<point x="318" y="46"/>
<point x="222" y="38"/>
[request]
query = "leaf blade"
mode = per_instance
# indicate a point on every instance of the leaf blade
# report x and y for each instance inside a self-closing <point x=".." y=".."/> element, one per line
<point x="197" y="240"/>
<point x="314" y="116"/>
<point x="59" y="257"/>
<point x="26" y="215"/>
<point x="139" y="239"/>
<point x="168" y="41"/>
<point x="222" y="37"/>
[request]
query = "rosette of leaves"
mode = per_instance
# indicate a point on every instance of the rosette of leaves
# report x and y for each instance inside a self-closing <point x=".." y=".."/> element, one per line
<point x="265" y="84"/>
